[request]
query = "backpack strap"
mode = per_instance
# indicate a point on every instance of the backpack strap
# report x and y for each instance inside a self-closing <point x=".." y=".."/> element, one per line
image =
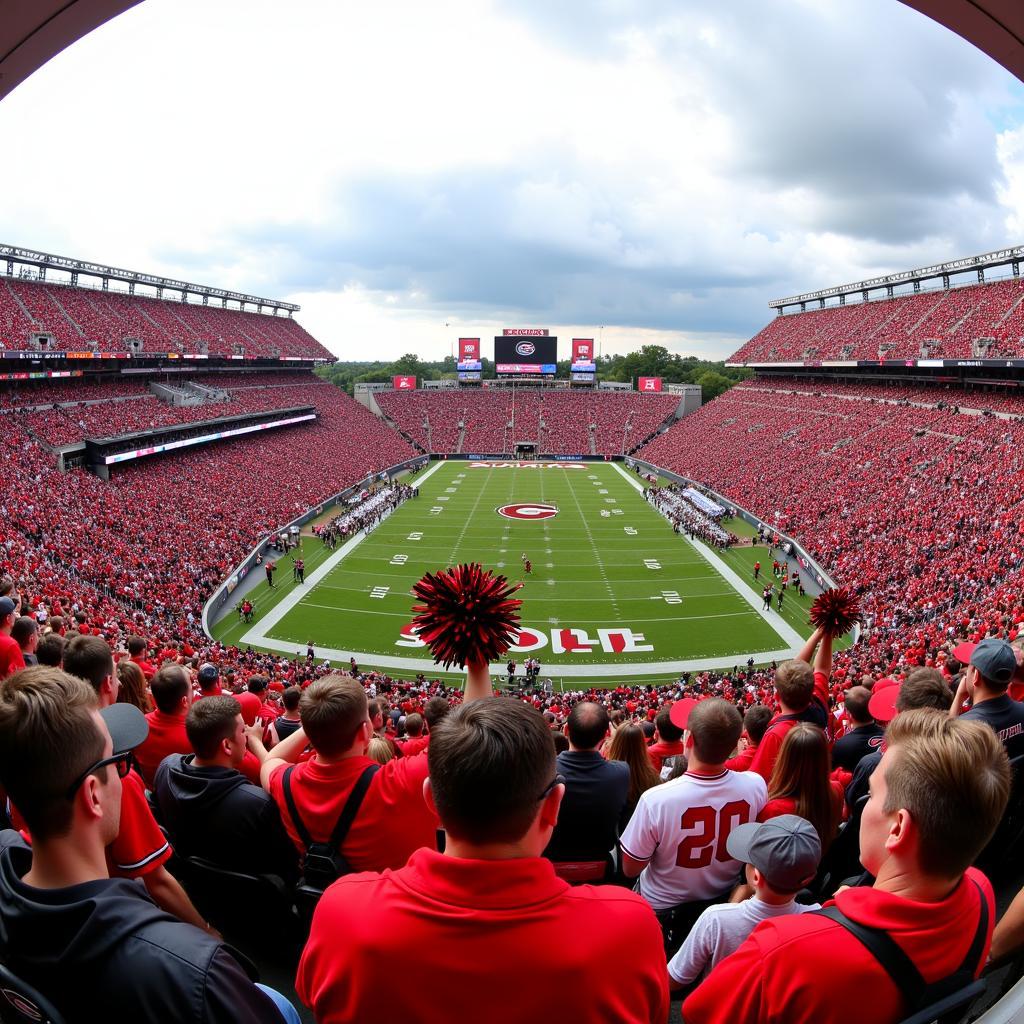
<point x="352" y="805"/>
<point x="300" y="827"/>
<point x="973" y="957"/>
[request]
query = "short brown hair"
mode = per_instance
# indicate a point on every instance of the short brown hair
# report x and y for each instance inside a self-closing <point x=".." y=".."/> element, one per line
<point x="794" y="683"/>
<point x="89" y="658"/>
<point x="490" y="761"/>
<point x="209" y="721"/>
<point x="48" y="737"/>
<point x="667" y="729"/>
<point x="953" y="777"/>
<point x="414" y="724"/>
<point x="332" y="709"/>
<point x="715" y="726"/>
<point x="291" y="697"/>
<point x="168" y="686"/>
<point x="924" y="688"/>
<point x="50" y="650"/>
<point x="755" y="722"/>
<point x="857" y="700"/>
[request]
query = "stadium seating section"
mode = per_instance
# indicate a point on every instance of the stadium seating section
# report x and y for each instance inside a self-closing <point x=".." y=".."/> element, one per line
<point x="558" y="422"/>
<point x="978" y="321"/>
<point x="917" y="506"/>
<point x="82" y="319"/>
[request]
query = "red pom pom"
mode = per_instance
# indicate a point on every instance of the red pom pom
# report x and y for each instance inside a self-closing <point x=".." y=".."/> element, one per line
<point x="837" y="611"/>
<point x="468" y="615"/>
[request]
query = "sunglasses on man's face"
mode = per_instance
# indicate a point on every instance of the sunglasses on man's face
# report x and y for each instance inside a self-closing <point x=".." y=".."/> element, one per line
<point x="123" y="761"/>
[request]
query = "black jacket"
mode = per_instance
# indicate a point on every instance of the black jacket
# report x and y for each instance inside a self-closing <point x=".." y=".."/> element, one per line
<point x="216" y="813"/>
<point x="103" y="951"/>
<point x="588" y="820"/>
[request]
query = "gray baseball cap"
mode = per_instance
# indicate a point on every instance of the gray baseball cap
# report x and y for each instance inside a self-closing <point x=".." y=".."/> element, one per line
<point x="786" y="850"/>
<point x="995" y="660"/>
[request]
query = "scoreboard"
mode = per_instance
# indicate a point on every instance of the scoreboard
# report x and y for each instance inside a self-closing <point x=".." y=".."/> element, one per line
<point x="525" y="352"/>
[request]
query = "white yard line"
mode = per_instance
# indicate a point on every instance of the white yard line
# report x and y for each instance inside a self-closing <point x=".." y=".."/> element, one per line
<point x="785" y="631"/>
<point x="286" y="604"/>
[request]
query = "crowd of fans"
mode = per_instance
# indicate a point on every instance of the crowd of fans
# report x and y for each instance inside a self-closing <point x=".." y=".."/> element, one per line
<point x="82" y="319"/>
<point x="687" y="518"/>
<point x="559" y="422"/>
<point x="984" y="321"/>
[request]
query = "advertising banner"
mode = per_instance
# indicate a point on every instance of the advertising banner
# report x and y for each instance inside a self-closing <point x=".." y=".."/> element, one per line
<point x="404" y="383"/>
<point x="649" y="384"/>
<point x="469" y="350"/>
<point x="582" y="350"/>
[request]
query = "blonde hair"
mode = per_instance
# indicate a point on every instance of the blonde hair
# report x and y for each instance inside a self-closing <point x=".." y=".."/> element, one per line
<point x="380" y="750"/>
<point x="794" y="683"/>
<point x="953" y="777"/>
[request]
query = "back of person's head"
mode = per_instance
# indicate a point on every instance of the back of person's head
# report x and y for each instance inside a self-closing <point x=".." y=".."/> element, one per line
<point x="924" y="688"/>
<point x="209" y="677"/>
<point x="435" y="710"/>
<point x="88" y="657"/>
<point x="170" y="684"/>
<point x="414" y="724"/>
<point x="953" y="777"/>
<point x="667" y="729"/>
<point x="630" y="745"/>
<point x="857" y="699"/>
<point x="561" y="741"/>
<point x="132" y="686"/>
<point x="136" y="646"/>
<point x="291" y="697"/>
<point x="380" y="750"/>
<point x="715" y="727"/>
<point x="209" y="722"/>
<point x="257" y="684"/>
<point x="24" y="628"/>
<point x="49" y="735"/>
<point x="588" y="725"/>
<point x="491" y="762"/>
<point x="647" y="728"/>
<point x="794" y="683"/>
<point x="50" y="650"/>
<point x="755" y="722"/>
<point x="801" y="772"/>
<point x="333" y="710"/>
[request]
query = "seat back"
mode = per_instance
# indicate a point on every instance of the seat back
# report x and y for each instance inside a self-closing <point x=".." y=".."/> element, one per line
<point x="579" y="872"/>
<point x="842" y="858"/>
<point x="948" y="1009"/>
<point x="20" y="1003"/>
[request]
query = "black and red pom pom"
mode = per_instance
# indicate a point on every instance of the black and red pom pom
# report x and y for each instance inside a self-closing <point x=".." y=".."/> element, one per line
<point x="837" y="611"/>
<point x="468" y="614"/>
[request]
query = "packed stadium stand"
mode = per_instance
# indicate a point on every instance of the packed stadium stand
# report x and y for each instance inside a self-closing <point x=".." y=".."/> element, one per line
<point x="558" y="422"/>
<point x="87" y="318"/>
<point x="974" y="321"/>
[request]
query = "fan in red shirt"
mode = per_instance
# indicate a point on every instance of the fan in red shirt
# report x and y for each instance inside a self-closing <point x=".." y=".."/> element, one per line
<point x="393" y="819"/>
<point x="172" y="694"/>
<point x="137" y="652"/>
<point x="926" y="898"/>
<point x="488" y="915"/>
<point x="668" y="739"/>
<point x="755" y="722"/>
<point x="803" y="697"/>
<point x="268" y="709"/>
<point x="11" y="658"/>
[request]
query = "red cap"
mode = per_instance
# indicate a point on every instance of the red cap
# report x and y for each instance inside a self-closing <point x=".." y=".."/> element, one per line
<point x="680" y="711"/>
<point x="883" y="684"/>
<point x="962" y="652"/>
<point x="882" y="705"/>
<point x="251" y="705"/>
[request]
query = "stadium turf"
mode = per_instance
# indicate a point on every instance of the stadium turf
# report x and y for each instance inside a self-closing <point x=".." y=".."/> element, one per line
<point x="614" y="593"/>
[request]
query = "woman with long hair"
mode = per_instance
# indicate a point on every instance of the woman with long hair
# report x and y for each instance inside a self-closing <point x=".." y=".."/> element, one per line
<point x="630" y="745"/>
<point x="132" y="689"/>
<point x="800" y="783"/>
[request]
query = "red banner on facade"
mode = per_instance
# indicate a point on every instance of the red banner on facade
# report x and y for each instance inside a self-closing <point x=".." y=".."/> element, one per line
<point x="469" y="350"/>
<point x="582" y="350"/>
<point x="650" y="384"/>
<point x="404" y="383"/>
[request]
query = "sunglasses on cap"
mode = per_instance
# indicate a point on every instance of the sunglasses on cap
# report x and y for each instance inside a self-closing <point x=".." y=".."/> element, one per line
<point x="123" y="761"/>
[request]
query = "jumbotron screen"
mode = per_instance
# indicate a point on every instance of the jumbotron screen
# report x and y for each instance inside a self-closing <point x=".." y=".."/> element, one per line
<point x="518" y="354"/>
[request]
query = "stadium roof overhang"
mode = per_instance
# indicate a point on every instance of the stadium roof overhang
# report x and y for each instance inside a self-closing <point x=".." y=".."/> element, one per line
<point x="995" y="27"/>
<point x="33" y="31"/>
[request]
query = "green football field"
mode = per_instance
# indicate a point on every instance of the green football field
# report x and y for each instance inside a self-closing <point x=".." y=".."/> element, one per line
<point x="614" y="594"/>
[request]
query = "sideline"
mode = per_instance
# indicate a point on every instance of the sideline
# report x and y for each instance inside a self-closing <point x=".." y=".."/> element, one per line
<point x="256" y="636"/>
<point x="784" y="630"/>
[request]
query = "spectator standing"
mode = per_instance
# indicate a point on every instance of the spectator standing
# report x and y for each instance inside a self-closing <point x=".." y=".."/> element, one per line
<point x="11" y="658"/>
<point x="137" y="653"/>
<point x="132" y="687"/>
<point x="172" y="693"/>
<point x="990" y="670"/>
<point x="50" y="650"/>
<point x="288" y="722"/>
<point x="668" y="740"/>
<point x="596" y="791"/>
<point x="25" y="633"/>
<point x="865" y="735"/>
<point x="259" y="684"/>
<point x="936" y="773"/>
<point x="755" y="722"/>
<point x="489" y="915"/>
<point x="209" y="680"/>
<point x="629" y="745"/>
<point x="94" y="945"/>
<point x="675" y="841"/>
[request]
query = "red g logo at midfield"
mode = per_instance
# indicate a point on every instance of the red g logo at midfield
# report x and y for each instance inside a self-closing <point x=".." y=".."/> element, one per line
<point x="528" y="511"/>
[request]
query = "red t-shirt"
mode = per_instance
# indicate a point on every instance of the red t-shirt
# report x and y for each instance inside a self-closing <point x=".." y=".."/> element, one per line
<point x="140" y="846"/>
<point x="771" y="743"/>
<point x="508" y="936"/>
<point x="392" y="822"/>
<point x="743" y="760"/>
<point x="147" y="669"/>
<point x="413" y="746"/>
<point x="662" y="749"/>
<point x="11" y="658"/>
<point x="166" y="736"/>
<point x="780" y="972"/>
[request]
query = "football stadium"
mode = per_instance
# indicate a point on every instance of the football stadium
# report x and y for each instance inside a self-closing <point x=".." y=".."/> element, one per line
<point x="514" y="683"/>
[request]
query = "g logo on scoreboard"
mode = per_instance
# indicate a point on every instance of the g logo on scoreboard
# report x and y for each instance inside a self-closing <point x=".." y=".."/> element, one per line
<point x="528" y="511"/>
<point x="526" y="348"/>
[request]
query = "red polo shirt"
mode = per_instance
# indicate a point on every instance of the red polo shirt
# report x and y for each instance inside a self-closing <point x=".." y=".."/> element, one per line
<point x="140" y="846"/>
<point x="11" y="658"/>
<point x="771" y="743"/>
<point x="392" y="822"/>
<point x="166" y="736"/>
<point x="808" y="968"/>
<point x="511" y="940"/>
<point x="413" y="746"/>
<point x="659" y="751"/>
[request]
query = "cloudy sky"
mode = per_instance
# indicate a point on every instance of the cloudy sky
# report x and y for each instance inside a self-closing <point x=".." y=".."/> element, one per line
<point x="658" y="168"/>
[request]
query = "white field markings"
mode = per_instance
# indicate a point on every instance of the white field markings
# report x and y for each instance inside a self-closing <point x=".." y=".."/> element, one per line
<point x="594" y="548"/>
<point x="784" y="630"/>
<point x="257" y="635"/>
<point x="469" y="518"/>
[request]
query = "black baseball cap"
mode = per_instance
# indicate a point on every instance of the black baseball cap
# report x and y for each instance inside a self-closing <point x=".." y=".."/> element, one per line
<point x="127" y="725"/>
<point x="208" y="673"/>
